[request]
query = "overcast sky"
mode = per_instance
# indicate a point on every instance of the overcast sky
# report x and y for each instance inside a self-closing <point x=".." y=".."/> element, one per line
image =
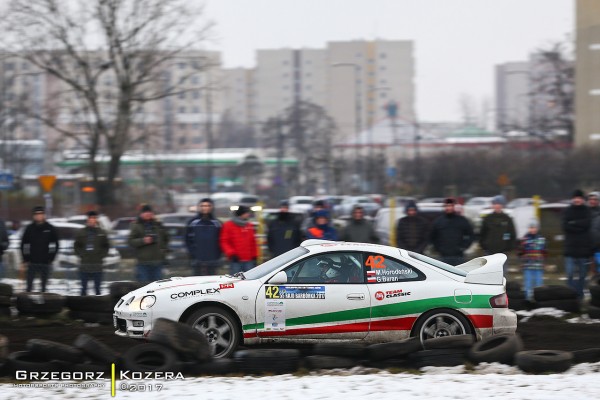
<point x="457" y="42"/>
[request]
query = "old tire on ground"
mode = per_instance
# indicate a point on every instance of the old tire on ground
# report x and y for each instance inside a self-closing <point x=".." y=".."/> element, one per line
<point x="5" y="311"/>
<point x="351" y="350"/>
<point x="54" y="351"/>
<point x="449" y="342"/>
<point x="541" y="361"/>
<point x="438" y="358"/>
<point x="90" y="303"/>
<point x="586" y="356"/>
<point x="498" y="348"/>
<point x="516" y="295"/>
<point x="520" y="304"/>
<point x="220" y="327"/>
<point x="280" y="361"/>
<point x="151" y="357"/>
<point x="24" y="360"/>
<point x="95" y="349"/>
<point x="6" y="289"/>
<point x="5" y="301"/>
<point x="439" y="323"/>
<point x="102" y="318"/>
<point x="554" y="292"/>
<point x="189" y="343"/>
<point x="329" y="362"/>
<point x="121" y="288"/>
<point x="513" y="286"/>
<point x="397" y="349"/>
<point x="39" y="303"/>
<point x="569" y="305"/>
<point x="595" y="292"/>
<point x="593" y="311"/>
<point x="3" y="347"/>
<point x="214" y="367"/>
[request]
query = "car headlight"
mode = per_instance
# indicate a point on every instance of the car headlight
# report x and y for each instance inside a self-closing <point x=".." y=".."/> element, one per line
<point x="147" y="302"/>
<point x="256" y="208"/>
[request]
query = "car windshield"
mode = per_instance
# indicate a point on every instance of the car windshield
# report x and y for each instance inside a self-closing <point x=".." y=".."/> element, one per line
<point x="274" y="263"/>
<point x="437" y="263"/>
<point x="304" y="201"/>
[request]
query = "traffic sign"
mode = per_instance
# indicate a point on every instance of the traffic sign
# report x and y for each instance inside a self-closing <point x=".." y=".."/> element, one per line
<point x="47" y="182"/>
<point x="6" y="180"/>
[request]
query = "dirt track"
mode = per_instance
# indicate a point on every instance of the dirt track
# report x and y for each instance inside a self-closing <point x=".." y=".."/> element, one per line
<point x="539" y="333"/>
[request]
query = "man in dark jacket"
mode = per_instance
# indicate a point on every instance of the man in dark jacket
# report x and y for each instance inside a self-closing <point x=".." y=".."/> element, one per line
<point x="202" y="239"/>
<point x="576" y="224"/>
<point x="283" y="232"/>
<point x="359" y="229"/>
<point x="3" y="245"/>
<point x="91" y="246"/>
<point x="412" y="231"/>
<point x="497" y="233"/>
<point x="39" y="247"/>
<point x="451" y="234"/>
<point x="150" y="240"/>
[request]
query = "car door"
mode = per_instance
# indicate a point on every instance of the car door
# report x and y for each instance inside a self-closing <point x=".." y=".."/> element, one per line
<point x="315" y="303"/>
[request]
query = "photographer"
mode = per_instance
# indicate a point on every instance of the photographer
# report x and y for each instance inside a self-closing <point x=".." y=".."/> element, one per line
<point x="150" y="241"/>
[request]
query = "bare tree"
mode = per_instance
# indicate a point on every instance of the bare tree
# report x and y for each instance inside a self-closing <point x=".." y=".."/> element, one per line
<point x="305" y="131"/>
<point x="131" y="43"/>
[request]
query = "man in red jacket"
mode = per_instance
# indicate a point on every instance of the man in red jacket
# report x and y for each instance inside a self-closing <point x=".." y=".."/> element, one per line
<point x="238" y="242"/>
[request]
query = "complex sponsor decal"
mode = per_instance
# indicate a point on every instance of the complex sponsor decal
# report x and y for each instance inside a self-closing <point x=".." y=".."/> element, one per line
<point x="379" y="296"/>
<point x="274" y="315"/>
<point x="381" y="273"/>
<point x="395" y="293"/>
<point x="295" y="292"/>
<point x="226" y="286"/>
<point x="194" y="293"/>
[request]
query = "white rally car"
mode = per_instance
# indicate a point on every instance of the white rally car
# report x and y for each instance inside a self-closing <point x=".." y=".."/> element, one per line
<point x="329" y="291"/>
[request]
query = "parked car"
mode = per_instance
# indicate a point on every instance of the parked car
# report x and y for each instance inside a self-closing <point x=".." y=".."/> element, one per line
<point x="119" y="236"/>
<point x="301" y="204"/>
<point x="175" y="218"/>
<point x="430" y="211"/>
<point x="66" y="258"/>
<point x="226" y="202"/>
<point x="345" y="208"/>
<point x="329" y="291"/>
<point x="103" y="221"/>
<point x="178" y="256"/>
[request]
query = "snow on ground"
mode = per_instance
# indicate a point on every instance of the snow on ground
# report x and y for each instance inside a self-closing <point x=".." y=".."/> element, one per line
<point x="488" y="381"/>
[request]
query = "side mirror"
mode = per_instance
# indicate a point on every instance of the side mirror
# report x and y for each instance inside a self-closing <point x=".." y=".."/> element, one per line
<point x="279" y="278"/>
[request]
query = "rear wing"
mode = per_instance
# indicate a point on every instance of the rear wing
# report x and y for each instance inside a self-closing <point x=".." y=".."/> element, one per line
<point x="487" y="270"/>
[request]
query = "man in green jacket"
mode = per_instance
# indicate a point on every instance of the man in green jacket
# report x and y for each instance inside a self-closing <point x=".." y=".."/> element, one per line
<point x="91" y="246"/>
<point x="497" y="233"/>
<point x="150" y="240"/>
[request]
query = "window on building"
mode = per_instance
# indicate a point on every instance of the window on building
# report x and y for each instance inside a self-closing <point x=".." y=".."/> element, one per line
<point x="196" y="126"/>
<point x="195" y="109"/>
<point x="181" y="110"/>
<point x="195" y="80"/>
<point x="182" y="140"/>
<point x="182" y="95"/>
<point x="196" y="94"/>
<point x="182" y="65"/>
<point x="197" y="139"/>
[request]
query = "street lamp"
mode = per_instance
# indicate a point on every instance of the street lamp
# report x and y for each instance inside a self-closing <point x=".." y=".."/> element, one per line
<point x="357" y="116"/>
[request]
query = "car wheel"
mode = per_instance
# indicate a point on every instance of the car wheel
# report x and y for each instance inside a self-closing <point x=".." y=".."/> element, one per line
<point x="219" y="326"/>
<point x="440" y="323"/>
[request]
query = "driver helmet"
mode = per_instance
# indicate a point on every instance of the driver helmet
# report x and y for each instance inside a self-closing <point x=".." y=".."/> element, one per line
<point x="330" y="268"/>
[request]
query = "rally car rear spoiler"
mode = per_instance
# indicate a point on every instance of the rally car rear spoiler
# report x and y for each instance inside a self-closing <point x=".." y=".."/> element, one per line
<point x="487" y="270"/>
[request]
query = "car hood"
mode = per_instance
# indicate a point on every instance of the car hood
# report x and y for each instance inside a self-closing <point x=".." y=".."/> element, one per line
<point x="189" y="281"/>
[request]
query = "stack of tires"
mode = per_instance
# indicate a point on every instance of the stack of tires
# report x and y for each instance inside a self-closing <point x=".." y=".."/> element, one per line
<point x="6" y="292"/>
<point x="593" y="307"/>
<point x="91" y="309"/>
<point x="121" y="288"/>
<point x="39" y="304"/>
<point x="517" y="298"/>
<point x="557" y="296"/>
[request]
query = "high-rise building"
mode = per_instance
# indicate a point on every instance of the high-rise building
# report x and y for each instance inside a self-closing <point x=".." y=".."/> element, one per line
<point x="512" y="96"/>
<point x="587" y="73"/>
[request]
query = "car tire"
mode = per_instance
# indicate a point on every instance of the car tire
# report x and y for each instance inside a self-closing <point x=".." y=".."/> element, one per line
<point x="449" y="342"/>
<point x="6" y="289"/>
<point x="542" y="361"/>
<point x="102" y="318"/>
<point x="351" y="350"/>
<point x="329" y="362"/>
<point x="207" y="320"/>
<point x="33" y="303"/>
<point x="401" y="348"/>
<point x="441" y="322"/>
<point x="49" y="350"/>
<point x="95" y="349"/>
<point x="151" y="357"/>
<point x="498" y="348"/>
<point x="554" y="292"/>
<point x="182" y="338"/>
<point x="591" y="355"/>
<point x="438" y="358"/>
<point x="91" y="303"/>
<point x="569" y="305"/>
<point x="258" y="361"/>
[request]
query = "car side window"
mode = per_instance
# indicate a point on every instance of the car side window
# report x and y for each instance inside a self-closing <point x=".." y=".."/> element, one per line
<point x="384" y="269"/>
<point x="346" y="267"/>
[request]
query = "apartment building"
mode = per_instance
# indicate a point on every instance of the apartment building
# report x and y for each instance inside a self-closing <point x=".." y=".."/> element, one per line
<point x="512" y="96"/>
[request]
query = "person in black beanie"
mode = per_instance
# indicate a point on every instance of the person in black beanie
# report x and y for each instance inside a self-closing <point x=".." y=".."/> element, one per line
<point x="91" y="246"/>
<point x="576" y="224"/>
<point x="412" y="231"/>
<point x="283" y="233"/>
<point x="451" y="234"/>
<point x="150" y="240"/>
<point x="39" y="247"/>
<point x="202" y="239"/>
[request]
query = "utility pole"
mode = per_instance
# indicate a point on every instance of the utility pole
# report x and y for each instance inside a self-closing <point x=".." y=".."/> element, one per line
<point x="280" y="155"/>
<point x="209" y="141"/>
